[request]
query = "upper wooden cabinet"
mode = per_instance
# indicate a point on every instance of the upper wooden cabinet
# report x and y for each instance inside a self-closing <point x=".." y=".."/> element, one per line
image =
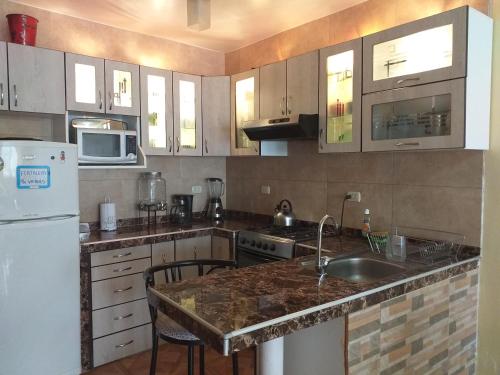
<point x="273" y="90"/>
<point x="302" y="84"/>
<point x="187" y="114"/>
<point x="289" y="87"/>
<point x="428" y="50"/>
<point x="36" y="79"/>
<point x="244" y="107"/>
<point x="4" y="83"/>
<point x="84" y="83"/>
<point x="340" y="98"/>
<point x="216" y="116"/>
<point x="122" y="88"/>
<point x="455" y="50"/>
<point x="157" y="131"/>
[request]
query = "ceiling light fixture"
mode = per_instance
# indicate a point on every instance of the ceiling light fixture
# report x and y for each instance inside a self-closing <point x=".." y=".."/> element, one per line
<point x="198" y="14"/>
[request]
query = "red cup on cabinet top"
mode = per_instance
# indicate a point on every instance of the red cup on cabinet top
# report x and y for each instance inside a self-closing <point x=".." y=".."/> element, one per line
<point x="22" y="29"/>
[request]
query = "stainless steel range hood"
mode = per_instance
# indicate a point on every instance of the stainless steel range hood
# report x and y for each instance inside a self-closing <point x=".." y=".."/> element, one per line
<point x="285" y="128"/>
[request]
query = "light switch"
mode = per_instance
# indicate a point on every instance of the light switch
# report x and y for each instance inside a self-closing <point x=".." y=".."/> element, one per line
<point x="196" y="189"/>
<point x="265" y="189"/>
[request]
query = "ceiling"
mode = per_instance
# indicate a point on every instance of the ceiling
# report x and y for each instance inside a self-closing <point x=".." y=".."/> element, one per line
<point x="235" y="23"/>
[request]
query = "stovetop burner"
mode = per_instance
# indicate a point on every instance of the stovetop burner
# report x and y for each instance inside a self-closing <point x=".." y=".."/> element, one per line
<point x="296" y="233"/>
<point x="278" y="242"/>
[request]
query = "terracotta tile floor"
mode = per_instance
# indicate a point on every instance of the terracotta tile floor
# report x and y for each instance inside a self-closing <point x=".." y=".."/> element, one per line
<point x="172" y="361"/>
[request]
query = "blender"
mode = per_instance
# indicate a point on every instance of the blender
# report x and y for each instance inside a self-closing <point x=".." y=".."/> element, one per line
<point x="215" y="192"/>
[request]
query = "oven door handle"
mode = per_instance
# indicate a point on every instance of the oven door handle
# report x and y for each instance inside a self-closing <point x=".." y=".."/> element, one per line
<point x="253" y="258"/>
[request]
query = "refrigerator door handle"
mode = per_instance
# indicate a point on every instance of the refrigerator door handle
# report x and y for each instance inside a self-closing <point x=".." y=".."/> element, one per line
<point x="46" y="218"/>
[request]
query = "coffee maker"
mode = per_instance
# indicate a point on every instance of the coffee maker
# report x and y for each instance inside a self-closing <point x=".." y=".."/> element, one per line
<point x="215" y="211"/>
<point x="181" y="211"/>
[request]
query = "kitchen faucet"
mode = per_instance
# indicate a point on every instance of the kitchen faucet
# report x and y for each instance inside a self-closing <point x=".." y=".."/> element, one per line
<point x="321" y="263"/>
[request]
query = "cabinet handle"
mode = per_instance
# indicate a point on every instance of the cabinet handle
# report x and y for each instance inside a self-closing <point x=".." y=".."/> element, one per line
<point x="1" y="94"/>
<point x="170" y="142"/>
<point x="178" y="139"/>
<point x="282" y="102"/>
<point x="122" y="255"/>
<point x="120" y="317"/>
<point x="289" y="105"/>
<point x="122" y="290"/>
<point x="122" y="269"/>
<point x="320" y="138"/>
<point x="110" y="101"/>
<point x="400" y="81"/>
<point x="255" y="149"/>
<point x="206" y="146"/>
<point x="124" y="344"/>
<point x="399" y="144"/>
<point x="100" y="99"/>
<point x="15" y="96"/>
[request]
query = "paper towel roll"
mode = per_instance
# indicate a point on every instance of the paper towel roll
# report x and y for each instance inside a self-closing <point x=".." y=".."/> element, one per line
<point x="108" y="215"/>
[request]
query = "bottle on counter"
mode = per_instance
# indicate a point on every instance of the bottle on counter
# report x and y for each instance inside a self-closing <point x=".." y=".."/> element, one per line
<point x="365" y="228"/>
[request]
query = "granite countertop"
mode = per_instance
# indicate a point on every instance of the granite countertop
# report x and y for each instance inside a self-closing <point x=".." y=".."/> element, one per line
<point x="136" y="235"/>
<point x="236" y="309"/>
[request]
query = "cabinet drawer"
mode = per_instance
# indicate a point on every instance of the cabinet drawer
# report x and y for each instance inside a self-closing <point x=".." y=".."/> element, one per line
<point x="122" y="344"/>
<point x="120" y="255"/>
<point x="120" y="269"/>
<point x="118" y="290"/>
<point x="121" y="317"/>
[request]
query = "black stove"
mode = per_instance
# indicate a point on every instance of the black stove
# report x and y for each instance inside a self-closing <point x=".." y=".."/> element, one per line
<point x="267" y="244"/>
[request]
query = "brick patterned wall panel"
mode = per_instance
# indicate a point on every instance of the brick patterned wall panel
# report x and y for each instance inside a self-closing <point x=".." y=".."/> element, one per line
<point x="428" y="331"/>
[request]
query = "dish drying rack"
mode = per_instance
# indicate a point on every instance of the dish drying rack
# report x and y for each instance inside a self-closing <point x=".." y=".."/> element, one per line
<point x="422" y="245"/>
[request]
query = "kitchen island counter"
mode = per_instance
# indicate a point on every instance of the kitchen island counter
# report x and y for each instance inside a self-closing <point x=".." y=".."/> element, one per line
<point x="236" y="309"/>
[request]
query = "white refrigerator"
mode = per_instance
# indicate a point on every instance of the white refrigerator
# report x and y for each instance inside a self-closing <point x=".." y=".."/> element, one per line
<point x="39" y="259"/>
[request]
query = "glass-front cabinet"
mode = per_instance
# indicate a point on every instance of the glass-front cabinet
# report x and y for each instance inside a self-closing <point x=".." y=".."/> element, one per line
<point x="84" y="83"/>
<point x="187" y="114"/>
<point x="244" y="107"/>
<point x="428" y="50"/>
<point x="156" y="111"/>
<point x="340" y="98"/>
<point x="122" y="88"/>
<point x="420" y="117"/>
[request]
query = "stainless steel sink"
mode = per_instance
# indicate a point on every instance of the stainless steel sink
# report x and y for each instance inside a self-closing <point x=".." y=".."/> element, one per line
<point x="362" y="269"/>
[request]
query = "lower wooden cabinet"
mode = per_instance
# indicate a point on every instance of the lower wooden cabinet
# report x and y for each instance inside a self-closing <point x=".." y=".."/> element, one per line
<point x="122" y="344"/>
<point x="221" y="248"/>
<point x="120" y="317"/>
<point x="121" y="322"/>
<point x="120" y="313"/>
<point x="193" y="248"/>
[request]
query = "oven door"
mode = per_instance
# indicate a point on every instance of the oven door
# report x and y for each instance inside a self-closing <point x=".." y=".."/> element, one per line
<point x="246" y="258"/>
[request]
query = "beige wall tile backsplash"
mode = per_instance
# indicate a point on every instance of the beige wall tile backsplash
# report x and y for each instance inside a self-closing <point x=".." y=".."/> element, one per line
<point x="181" y="173"/>
<point x="438" y="190"/>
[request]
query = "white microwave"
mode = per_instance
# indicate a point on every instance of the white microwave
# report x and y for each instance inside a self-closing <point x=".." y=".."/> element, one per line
<point x="106" y="146"/>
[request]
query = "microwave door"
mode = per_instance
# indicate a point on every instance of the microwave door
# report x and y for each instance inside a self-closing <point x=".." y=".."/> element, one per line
<point x="100" y="147"/>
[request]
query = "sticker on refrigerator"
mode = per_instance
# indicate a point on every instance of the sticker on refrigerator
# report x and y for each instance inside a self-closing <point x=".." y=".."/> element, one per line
<point x="33" y="177"/>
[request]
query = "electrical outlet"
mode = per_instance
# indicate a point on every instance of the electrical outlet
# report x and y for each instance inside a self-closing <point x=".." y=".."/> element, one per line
<point x="355" y="196"/>
<point x="265" y="189"/>
<point x="196" y="189"/>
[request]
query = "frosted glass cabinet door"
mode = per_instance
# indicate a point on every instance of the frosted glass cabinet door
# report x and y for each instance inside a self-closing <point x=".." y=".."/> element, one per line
<point x="244" y="107"/>
<point x="4" y="83"/>
<point x="84" y="83"/>
<point x="187" y="114"/>
<point x="122" y="88"/>
<point x="340" y="98"/>
<point x="428" y="50"/>
<point x="421" y="117"/>
<point x="156" y="111"/>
